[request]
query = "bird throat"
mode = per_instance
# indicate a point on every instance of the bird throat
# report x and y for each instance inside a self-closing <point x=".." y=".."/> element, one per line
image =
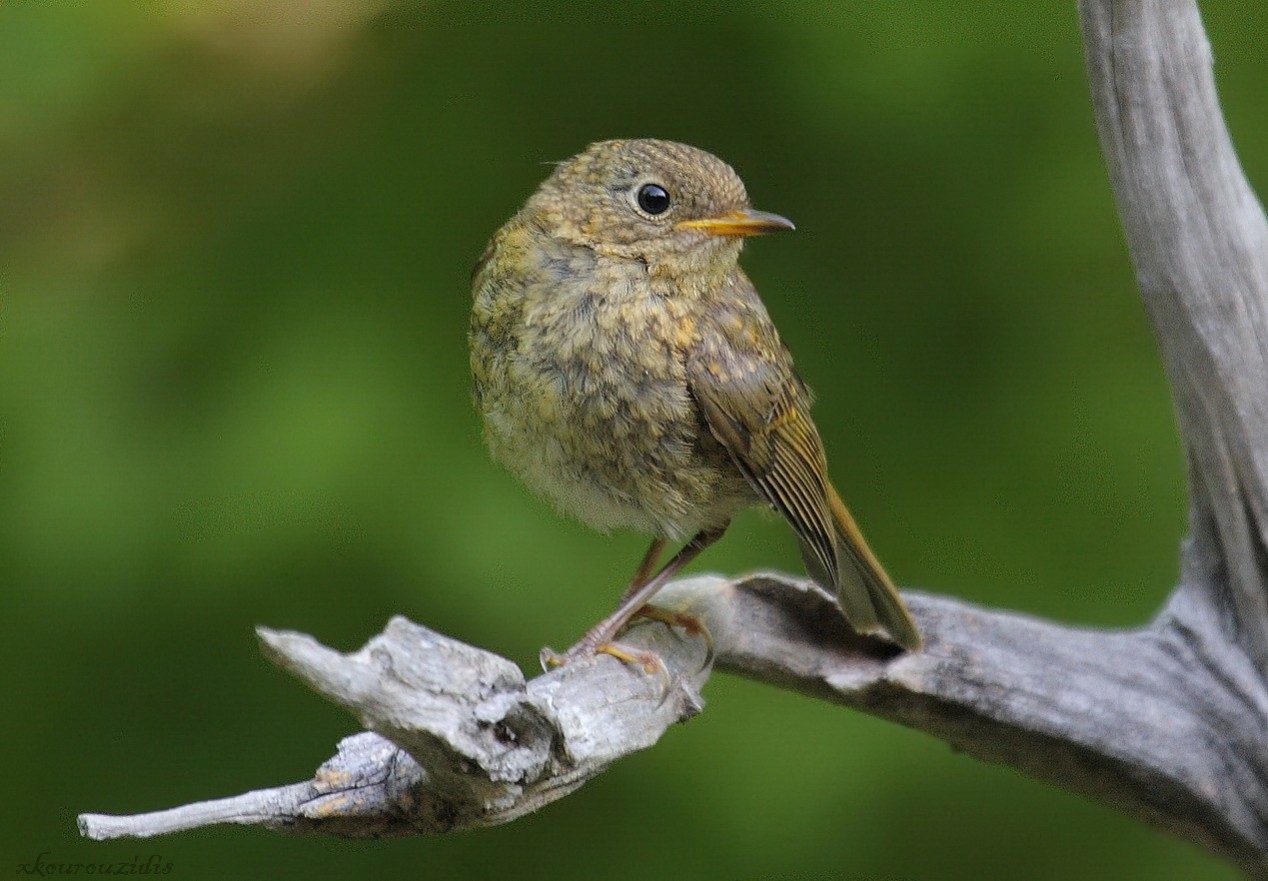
<point x="696" y="269"/>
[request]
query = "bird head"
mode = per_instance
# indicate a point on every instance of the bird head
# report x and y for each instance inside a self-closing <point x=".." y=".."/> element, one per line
<point x="674" y="207"/>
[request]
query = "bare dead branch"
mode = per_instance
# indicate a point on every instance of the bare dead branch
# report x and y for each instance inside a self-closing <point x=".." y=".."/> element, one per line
<point x="461" y="741"/>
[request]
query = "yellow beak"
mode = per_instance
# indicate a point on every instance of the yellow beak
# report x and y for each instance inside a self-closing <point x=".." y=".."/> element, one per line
<point x="739" y="223"/>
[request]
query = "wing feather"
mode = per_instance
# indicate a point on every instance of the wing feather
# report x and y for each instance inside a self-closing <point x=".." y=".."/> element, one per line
<point x="756" y="406"/>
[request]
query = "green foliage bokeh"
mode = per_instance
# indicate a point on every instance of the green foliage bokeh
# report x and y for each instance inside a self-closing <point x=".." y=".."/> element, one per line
<point x="234" y="250"/>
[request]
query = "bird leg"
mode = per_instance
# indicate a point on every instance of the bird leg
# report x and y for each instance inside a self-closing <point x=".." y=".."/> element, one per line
<point x="645" y="568"/>
<point x="599" y="638"/>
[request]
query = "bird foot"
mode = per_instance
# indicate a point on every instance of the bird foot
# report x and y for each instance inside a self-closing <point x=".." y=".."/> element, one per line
<point x="692" y="625"/>
<point x="648" y="660"/>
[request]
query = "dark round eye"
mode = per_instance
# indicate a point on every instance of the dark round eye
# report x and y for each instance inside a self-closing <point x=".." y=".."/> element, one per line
<point x="653" y="199"/>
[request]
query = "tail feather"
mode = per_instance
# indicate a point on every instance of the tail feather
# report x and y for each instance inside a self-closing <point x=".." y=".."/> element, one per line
<point x="868" y="598"/>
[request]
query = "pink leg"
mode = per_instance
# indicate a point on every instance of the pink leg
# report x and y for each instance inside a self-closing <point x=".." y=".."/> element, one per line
<point x="606" y="630"/>
<point x="645" y="568"/>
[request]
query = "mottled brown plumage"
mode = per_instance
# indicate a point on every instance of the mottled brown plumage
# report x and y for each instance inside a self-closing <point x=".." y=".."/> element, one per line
<point x="627" y="370"/>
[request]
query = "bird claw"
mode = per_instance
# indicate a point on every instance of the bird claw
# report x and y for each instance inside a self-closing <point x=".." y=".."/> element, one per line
<point x="550" y="659"/>
<point x="692" y="625"/>
<point x="649" y="661"/>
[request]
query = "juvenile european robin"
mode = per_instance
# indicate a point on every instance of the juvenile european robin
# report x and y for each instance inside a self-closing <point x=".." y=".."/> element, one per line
<point x="627" y="371"/>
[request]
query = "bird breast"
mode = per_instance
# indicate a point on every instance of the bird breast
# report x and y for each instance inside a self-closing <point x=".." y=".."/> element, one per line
<point x="581" y="380"/>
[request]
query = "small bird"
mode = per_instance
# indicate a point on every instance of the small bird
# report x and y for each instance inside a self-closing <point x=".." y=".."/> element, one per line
<point x="626" y="370"/>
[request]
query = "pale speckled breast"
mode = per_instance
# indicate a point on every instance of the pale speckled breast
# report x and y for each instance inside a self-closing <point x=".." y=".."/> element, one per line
<point x="580" y="377"/>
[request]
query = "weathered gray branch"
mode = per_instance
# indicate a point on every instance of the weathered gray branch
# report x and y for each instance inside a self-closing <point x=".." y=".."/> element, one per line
<point x="1199" y="239"/>
<point x="461" y="740"/>
<point x="1167" y="723"/>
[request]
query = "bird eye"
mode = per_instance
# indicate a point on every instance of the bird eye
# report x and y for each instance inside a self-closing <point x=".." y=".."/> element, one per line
<point x="653" y="199"/>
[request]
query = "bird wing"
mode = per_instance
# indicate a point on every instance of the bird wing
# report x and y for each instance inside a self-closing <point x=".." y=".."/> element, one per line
<point x="755" y="405"/>
<point x="743" y="381"/>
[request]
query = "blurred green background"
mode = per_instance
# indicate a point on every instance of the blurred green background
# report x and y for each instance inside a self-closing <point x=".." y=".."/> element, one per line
<point x="234" y="250"/>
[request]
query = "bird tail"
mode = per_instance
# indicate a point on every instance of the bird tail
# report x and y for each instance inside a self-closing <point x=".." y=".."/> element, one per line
<point x="868" y="599"/>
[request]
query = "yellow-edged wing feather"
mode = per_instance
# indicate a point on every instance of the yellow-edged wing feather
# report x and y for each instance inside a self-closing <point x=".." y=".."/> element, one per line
<point x="753" y="402"/>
